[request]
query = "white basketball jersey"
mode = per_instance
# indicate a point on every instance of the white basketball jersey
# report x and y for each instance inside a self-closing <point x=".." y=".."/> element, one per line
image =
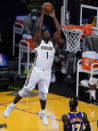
<point x="45" y="56"/>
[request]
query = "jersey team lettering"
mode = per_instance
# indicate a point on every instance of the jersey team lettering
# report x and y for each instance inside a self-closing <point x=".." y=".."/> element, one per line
<point x="46" y="48"/>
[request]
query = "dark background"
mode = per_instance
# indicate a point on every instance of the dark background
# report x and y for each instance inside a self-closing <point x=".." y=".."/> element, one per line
<point x="9" y="9"/>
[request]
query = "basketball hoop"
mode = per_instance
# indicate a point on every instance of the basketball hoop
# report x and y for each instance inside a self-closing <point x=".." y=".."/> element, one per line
<point x="73" y="35"/>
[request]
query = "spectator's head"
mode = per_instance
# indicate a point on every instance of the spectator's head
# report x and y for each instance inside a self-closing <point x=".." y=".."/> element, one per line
<point x="34" y="14"/>
<point x="73" y="103"/>
<point x="62" y="40"/>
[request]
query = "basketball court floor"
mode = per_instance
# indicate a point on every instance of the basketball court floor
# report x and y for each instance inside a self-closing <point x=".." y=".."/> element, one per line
<point x="24" y="116"/>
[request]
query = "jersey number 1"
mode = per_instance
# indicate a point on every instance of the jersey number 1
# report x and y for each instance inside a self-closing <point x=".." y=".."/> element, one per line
<point x="47" y="55"/>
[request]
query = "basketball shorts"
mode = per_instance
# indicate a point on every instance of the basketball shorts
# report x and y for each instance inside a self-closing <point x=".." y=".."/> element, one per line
<point x="38" y="76"/>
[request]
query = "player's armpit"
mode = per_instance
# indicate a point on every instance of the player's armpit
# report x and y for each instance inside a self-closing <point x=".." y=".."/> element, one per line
<point x="86" y="123"/>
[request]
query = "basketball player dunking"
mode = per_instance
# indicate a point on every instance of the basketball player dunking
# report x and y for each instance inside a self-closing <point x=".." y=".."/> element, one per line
<point x="41" y="71"/>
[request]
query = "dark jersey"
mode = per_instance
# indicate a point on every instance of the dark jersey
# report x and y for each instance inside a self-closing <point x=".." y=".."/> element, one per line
<point x="75" y="121"/>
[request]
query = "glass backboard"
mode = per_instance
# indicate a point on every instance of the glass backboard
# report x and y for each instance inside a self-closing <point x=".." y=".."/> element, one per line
<point x="89" y="15"/>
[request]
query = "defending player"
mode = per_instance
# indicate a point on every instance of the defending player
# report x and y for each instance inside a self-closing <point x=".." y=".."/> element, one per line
<point x="41" y="72"/>
<point x="73" y="121"/>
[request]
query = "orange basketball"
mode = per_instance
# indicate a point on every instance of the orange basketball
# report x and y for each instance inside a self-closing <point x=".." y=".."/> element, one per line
<point x="48" y="7"/>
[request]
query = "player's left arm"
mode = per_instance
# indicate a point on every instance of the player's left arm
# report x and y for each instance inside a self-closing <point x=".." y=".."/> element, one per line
<point x="86" y="122"/>
<point x="57" y="34"/>
<point x="65" y="122"/>
<point x="37" y="35"/>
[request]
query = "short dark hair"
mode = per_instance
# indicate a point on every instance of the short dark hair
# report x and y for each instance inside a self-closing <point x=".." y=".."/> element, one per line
<point x="73" y="103"/>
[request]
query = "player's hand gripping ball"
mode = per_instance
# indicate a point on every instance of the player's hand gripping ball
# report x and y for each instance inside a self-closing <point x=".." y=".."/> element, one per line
<point x="48" y="7"/>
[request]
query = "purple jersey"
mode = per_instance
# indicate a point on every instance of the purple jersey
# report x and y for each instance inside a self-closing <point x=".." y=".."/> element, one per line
<point x="75" y="121"/>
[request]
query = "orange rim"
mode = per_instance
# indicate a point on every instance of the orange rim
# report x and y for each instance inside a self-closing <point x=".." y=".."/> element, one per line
<point x="75" y="27"/>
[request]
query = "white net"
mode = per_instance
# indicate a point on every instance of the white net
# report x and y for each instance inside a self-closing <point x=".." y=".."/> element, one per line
<point x="73" y="37"/>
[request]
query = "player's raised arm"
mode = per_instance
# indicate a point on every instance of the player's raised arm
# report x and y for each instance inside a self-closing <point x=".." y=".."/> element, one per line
<point x="57" y="34"/>
<point x="37" y="36"/>
<point x="86" y="122"/>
